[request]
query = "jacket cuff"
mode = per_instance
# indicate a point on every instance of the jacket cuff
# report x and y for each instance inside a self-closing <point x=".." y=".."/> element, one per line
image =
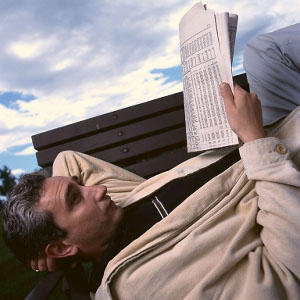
<point x="262" y="153"/>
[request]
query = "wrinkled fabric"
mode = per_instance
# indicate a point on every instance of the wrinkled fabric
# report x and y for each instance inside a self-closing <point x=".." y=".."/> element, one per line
<point x="236" y="237"/>
<point x="272" y="64"/>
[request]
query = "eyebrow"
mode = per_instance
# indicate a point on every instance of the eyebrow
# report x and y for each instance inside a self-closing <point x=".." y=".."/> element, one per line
<point x="68" y="191"/>
<point x="70" y="187"/>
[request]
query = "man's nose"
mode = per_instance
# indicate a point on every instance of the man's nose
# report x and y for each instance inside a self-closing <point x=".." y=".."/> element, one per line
<point x="99" y="192"/>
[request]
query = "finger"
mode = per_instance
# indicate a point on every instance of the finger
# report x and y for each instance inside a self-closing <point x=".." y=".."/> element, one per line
<point x="238" y="89"/>
<point x="240" y="96"/>
<point x="34" y="264"/>
<point x="227" y="96"/>
<point x="236" y="86"/>
<point x="51" y="263"/>
<point x="42" y="264"/>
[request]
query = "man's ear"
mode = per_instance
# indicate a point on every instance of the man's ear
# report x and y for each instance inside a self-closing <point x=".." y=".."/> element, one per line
<point x="60" y="249"/>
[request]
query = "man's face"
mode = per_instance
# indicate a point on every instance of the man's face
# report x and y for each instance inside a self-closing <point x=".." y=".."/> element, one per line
<point x="88" y="215"/>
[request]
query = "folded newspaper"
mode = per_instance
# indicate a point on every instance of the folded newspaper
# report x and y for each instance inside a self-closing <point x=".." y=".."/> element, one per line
<point x="206" y="47"/>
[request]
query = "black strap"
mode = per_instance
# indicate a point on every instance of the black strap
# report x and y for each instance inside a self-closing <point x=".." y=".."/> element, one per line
<point x="45" y="286"/>
<point x="76" y="280"/>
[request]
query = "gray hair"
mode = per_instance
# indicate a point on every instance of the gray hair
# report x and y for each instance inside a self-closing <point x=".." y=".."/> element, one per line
<point x="26" y="229"/>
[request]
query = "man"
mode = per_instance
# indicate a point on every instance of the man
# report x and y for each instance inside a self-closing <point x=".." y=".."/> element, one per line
<point x="233" y="232"/>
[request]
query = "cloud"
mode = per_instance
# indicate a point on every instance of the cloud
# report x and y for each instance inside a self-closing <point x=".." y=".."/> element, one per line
<point x="27" y="151"/>
<point x="17" y="172"/>
<point x="28" y="47"/>
<point x="85" y="58"/>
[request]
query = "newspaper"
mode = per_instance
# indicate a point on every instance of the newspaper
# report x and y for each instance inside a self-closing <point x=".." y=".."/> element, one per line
<point x="206" y="48"/>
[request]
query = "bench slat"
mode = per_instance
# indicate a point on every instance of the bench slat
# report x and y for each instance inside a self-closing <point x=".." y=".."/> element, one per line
<point x="115" y="136"/>
<point x="110" y="120"/>
<point x="160" y="142"/>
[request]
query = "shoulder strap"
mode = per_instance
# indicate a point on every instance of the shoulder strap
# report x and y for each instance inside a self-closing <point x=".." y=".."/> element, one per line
<point x="76" y="280"/>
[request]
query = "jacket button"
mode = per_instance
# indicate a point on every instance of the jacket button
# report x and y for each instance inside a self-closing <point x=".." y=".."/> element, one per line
<point x="281" y="149"/>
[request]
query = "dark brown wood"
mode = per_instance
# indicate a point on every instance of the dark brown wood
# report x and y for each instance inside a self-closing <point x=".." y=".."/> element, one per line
<point x="147" y="138"/>
<point x="143" y="147"/>
<point x="116" y="136"/>
<point x="241" y="80"/>
<point x="106" y="121"/>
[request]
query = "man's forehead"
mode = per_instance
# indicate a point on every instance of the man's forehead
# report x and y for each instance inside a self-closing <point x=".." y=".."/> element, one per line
<point x="53" y="190"/>
<point x="54" y="182"/>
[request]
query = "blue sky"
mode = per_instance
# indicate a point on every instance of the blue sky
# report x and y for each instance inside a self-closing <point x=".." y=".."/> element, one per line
<point x="63" y="61"/>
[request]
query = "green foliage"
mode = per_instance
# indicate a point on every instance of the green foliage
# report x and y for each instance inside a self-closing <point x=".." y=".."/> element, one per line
<point x="7" y="179"/>
<point x="16" y="279"/>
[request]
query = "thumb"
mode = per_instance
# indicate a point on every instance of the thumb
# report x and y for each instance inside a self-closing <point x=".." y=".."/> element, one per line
<point x="226" y="94"/>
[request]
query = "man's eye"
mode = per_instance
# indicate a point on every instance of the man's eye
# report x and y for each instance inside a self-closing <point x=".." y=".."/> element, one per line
<point x="74" y="199"/>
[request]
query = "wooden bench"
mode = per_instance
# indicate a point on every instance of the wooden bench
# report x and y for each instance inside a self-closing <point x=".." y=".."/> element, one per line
<point x="146" y="139"/>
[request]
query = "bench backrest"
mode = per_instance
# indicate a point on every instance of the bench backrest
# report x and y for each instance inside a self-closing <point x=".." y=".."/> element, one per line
<point x="146" y="139"/>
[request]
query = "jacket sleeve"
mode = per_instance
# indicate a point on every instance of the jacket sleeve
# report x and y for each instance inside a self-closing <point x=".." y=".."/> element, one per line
<point x="93" y="171"/>
<point x="268" y="161"/>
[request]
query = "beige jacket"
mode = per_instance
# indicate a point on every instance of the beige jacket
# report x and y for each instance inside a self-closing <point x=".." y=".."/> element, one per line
<point x="236" y="237"/>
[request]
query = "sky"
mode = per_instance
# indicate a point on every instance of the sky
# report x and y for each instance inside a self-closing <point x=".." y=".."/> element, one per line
<point x="63" y="61"/>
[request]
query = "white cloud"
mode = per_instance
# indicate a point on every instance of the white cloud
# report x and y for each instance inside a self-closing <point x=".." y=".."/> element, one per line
<point x="30" y="46"/>
<point x="26" y="50"/>
<point x="86" y="58"/>
<point x="27" y="151"/>
<point x="17" y="172"/>
<point x="63" y="65"/>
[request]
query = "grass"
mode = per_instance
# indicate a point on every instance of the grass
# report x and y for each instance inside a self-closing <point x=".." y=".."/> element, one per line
<point x="16" y="280"/>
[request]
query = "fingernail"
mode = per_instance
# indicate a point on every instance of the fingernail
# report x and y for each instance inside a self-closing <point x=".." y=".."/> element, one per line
<point x="223" y="86"/>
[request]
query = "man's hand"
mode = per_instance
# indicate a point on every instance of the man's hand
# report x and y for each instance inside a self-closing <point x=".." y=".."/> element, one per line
<point x="244" y="112"/>
<point x="43" y="263"/>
